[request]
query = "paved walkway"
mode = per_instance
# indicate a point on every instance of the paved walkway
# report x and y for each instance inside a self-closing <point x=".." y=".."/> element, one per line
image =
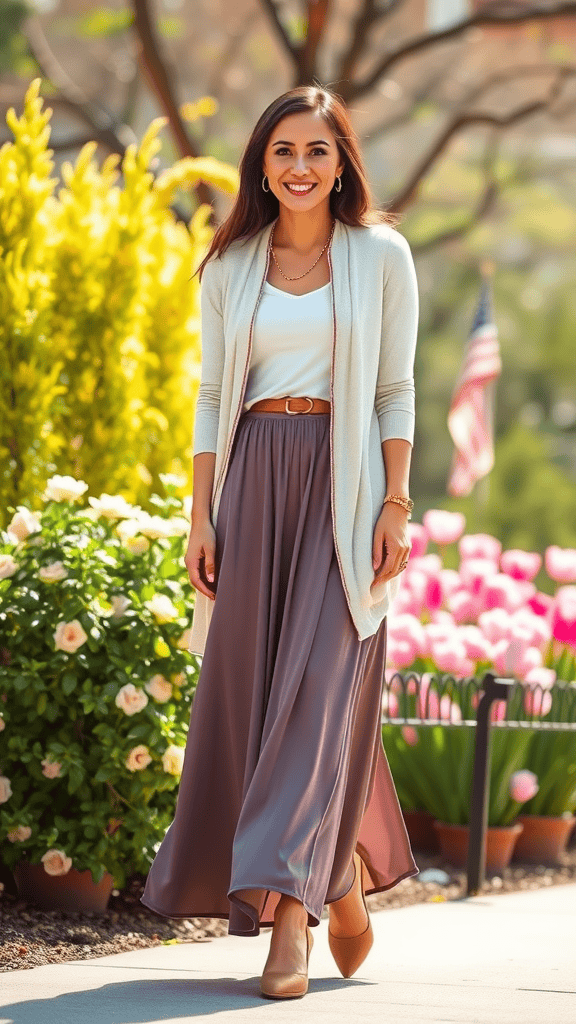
<point x="508" y="959"/>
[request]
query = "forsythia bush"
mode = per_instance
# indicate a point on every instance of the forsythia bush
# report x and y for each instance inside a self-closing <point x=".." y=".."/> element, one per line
<point x="99" y="320"/>
<point x="96" y="681"/>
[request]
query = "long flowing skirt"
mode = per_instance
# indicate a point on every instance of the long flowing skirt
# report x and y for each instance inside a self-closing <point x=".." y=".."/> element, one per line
<point x="284" y="772"/>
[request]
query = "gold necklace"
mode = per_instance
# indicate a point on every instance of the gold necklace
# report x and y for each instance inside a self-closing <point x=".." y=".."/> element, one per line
<point x="313" y="265"/>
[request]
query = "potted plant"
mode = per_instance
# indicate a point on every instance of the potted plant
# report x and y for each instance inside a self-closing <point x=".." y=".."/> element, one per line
<point x="96" y="690"/>
<point x="548" y="814"/>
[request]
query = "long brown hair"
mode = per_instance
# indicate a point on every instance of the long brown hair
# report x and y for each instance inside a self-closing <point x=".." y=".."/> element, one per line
<point x="254" y="208"/>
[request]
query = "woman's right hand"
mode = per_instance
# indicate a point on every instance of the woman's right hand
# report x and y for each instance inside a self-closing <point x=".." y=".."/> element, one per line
<point x="202" y="549"/>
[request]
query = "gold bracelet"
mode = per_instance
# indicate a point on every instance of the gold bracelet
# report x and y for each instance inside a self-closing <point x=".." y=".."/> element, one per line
<point x="406" y="503"/>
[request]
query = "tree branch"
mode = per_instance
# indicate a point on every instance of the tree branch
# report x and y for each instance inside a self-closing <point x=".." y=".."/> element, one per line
<point x="491" y="14"/>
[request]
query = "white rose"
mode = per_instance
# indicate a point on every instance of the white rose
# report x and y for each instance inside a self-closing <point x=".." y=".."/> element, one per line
<point x="136" y="545"/>
<point x="8" y="566"/>
<point x="184" y="640"/>
<point x="131" y="699"/>
<point x="138" y="758"/>
<point x="127" y="528"/>
<point x="52" y="572"/>
<point x="173" y="760"/>
<point x="162" y="608"/>
<point x="154" y="526"/>
<point x="160" y="688"/>
<point x="51" y="769"/>
<point x="5" y="789"/>
<point x="23" y="523"/>
<point x="173" y="479"/>
<point x="119" y="603"/>
<point x="18" y="835"/>
<point x="112" y="506"/>
<point x="56" y="862"/>
<point x="69" y="636"/>
<point x="179" y="526"/>
<point x="64" y="488"/>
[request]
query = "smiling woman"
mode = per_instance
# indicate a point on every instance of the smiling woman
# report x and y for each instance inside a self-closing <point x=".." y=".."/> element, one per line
<point x="286" y="800"/>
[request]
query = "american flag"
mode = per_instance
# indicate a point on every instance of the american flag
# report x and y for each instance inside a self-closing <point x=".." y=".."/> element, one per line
<point x="470" y="415"/>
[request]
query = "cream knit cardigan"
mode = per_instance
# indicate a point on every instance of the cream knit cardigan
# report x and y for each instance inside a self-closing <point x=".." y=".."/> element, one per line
<point x="375" y="309"/>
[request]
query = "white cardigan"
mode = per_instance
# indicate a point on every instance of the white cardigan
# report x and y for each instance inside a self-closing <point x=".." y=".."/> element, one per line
<point x="375" y="309"/>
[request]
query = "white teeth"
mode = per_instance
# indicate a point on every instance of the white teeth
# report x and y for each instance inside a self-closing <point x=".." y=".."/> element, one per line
<point x="300" y="188"/>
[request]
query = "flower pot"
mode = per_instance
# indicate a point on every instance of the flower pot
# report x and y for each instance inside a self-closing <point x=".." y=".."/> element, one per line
<point x="73" y="891"/>
<point x="544" y="837"/>
<point x="500" y="843"/>
<point x="421" y="831"/>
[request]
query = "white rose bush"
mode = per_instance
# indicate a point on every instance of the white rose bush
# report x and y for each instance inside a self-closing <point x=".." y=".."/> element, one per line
<point x="96" y="680"/>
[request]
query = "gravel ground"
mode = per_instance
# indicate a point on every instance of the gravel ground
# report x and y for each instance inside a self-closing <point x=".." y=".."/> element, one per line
<point x="31" y="937"/>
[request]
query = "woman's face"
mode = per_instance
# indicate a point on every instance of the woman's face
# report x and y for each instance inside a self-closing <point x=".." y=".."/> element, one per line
<point x="302" y="150"/>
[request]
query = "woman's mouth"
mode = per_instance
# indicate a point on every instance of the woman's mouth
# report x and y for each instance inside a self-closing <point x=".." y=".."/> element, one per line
<point x="299" y="190"/>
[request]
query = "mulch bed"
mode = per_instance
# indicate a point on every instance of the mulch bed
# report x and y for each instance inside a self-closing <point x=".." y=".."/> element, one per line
<point x="30" y="936"/>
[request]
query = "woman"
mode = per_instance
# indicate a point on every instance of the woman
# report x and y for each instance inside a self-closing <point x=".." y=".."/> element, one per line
<point x="303" y="436"/>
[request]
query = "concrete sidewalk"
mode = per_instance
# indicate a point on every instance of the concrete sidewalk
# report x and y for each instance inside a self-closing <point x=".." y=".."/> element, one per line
<point x="508" y="959"/>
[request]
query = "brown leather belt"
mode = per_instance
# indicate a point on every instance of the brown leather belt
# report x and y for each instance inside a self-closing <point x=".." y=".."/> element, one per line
<point x="291" y="404"/>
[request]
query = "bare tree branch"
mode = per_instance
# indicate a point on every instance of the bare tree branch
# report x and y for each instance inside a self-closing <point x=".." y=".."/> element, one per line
<point x="491" y="14"/>
<point x="291" y="51"/>
<point x="463" y="120"/>
<point x="155" y="69"/>
<point x="367" y="15"/>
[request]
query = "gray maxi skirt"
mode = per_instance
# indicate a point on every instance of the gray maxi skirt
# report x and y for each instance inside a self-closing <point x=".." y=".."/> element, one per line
<point x="284" y="771"/>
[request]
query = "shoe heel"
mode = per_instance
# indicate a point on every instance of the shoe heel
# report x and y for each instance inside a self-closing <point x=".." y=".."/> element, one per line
<point x="284" y="985"/>
<point x="350" y="952"/>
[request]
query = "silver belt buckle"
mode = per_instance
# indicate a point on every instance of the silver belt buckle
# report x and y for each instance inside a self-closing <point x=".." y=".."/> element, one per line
<point x="293" y="412"/>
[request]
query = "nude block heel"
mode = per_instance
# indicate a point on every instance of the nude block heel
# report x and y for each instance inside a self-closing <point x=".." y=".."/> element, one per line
<point x="350" y="951"/>
<point x="287" y="985"/>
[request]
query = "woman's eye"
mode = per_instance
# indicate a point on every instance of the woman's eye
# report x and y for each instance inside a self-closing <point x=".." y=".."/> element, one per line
<point x="284" y="149"/>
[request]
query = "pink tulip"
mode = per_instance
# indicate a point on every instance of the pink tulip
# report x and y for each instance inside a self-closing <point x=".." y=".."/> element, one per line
<point x="540" y="603"/>
<point x="496" y="624"/>
<point x="418" y="539"/>
<point x="563" y="616"/>
<point x="400" y="653"/>
<point x="410" y="735"/>
<point x="480" y="545"/>
<point x="430" y="565"/>
<point x="409" y="628"/>
<point x="444" y="527"/>
<point x="434" y="596"/>
<point x="430" y="705"/>
<point x="500" y="591"/>
<point x="545" y="677"/>
<point x="535" y="628"/>
<point x="475" y="571"/>
<point x="464" y="606"/>
<point x="406" y="602"/>
<point x="515" y="657"/>
<point x="521" y="565"/>
<point x="537" y="702"/>
<point x="450" y="581"/>
<point x="523" y="785"/>
<point x="560" y="563"/>
<point x="475" y="643"/>
<point x="442" y="617"/>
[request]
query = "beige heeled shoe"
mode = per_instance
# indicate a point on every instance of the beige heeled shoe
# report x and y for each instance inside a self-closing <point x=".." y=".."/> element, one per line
<point x="287" y="984"/>
<point x="350" y="951"/>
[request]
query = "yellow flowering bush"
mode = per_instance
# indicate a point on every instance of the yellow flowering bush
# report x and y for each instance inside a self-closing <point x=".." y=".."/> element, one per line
<point x="99" y="317"/>
<point x="96" y="680"/>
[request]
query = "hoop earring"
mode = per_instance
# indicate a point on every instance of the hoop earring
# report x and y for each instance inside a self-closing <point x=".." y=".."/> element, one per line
<point x="263" y="180"/>
<point x="338" y="186"/>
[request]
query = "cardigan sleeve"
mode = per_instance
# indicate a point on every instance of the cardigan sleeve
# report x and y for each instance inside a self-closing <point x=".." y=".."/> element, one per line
<point x="395" y="393"/>
<point x="208" y="401"/>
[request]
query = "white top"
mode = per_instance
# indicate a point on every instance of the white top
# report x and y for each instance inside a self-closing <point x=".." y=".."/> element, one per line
<point x="291" y="345"/>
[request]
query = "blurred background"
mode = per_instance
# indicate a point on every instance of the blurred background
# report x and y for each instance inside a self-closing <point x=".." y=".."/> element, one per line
<point x="466" y="112"/>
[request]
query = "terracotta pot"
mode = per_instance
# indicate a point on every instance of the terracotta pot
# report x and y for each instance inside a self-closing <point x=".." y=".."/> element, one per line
<point x="421" y="831"/>
<point x="544" y="837"/>
<point x="73" y="891"/>
<point x="500" y="842"/>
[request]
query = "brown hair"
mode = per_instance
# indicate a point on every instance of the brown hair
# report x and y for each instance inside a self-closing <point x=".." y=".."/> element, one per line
<point x="254" y="208"/>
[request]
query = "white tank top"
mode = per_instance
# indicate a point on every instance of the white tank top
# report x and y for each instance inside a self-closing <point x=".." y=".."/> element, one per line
<point x="291" y="345"/>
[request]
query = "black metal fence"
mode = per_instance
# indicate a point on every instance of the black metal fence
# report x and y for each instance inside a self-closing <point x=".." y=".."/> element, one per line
<point x="560" y="717"/>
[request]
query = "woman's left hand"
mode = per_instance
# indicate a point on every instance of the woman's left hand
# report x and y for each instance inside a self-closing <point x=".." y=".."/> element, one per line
<point x="391" y="544"/>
